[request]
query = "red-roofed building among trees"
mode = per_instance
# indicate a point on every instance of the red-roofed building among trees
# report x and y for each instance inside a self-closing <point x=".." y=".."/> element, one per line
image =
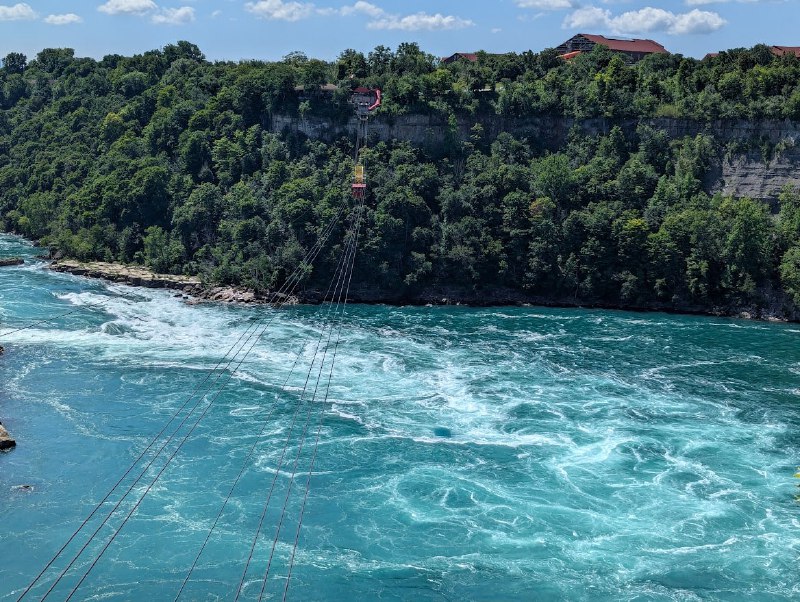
<point x="776" y="50"/>
<point x="460" y="56"/>
<point x="634" y="49"/>
<point x="784" y="50"/>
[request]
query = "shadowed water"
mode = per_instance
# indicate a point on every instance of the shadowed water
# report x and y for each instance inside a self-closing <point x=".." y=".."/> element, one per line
<point x="465" y="454"/>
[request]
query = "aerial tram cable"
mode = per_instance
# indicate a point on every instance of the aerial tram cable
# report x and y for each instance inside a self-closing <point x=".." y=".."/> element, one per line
<point x="286" y="289"/>
<point x="316" y="438"/>
<point x="345" y="291"/>
<point x="338" y="278"/>
<point x="46" y="320"/>
<point x="309" y="403"/>
<point x="365" y="101"/>
<point x="251" y="451"/>
<point x="163" y="468"/>
<point x="298" y="405"/>
<point x="291" y="288"/>
<point x="312" y="254"/>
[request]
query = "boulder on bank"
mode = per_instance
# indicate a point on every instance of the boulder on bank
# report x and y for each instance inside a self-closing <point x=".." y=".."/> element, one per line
<point x="6" y="442"/>
<point x="7" y="261"/>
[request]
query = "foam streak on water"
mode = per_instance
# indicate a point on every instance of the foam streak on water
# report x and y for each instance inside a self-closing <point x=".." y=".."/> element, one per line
<point x="465" y="454"/>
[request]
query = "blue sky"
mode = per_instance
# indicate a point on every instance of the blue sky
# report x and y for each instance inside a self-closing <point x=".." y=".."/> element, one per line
<point x="269" y="29"/>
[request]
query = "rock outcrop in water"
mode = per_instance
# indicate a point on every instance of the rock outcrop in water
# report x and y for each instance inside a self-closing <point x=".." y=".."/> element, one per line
<point x="8" y="261"/>
<point x="6" y="442"/>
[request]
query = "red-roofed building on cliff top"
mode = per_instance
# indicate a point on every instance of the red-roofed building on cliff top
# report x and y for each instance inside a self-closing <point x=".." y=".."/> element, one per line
<point x="634" y="49"/>
<point x="776" y="50"/>
<point x="460" y="56"/>
<point x="784" y="50"/>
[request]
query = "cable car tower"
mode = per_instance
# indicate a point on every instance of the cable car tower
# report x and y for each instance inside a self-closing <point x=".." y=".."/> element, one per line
<point x="365" y="101"/>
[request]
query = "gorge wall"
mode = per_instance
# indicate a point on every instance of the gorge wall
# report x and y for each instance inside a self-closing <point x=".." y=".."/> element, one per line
<point x="756" y="159"/>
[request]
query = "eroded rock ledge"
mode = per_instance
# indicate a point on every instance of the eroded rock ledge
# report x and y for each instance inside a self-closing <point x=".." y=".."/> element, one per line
<point x="191" y="286"/>
<point x="134" y="275"/>
<point x="9" y="261"/>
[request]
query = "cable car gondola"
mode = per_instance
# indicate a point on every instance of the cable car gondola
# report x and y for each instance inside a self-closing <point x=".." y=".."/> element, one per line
<point x="365" y="100"/>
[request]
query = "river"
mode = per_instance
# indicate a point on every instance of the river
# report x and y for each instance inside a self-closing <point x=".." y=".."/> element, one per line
<point x="464" y="454"/>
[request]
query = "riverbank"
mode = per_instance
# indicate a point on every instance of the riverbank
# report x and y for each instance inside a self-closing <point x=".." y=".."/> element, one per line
<point x="774" y="307"/>
<point x="192" y="287"/>
<point x="126" y="274"/>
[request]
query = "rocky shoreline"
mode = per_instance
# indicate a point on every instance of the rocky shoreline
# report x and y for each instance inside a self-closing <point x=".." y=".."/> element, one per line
<point x="775" y="307"/>
<point x="125" y="274"/>
<point x="192" y="288"/>
<point x="194" y="291"/>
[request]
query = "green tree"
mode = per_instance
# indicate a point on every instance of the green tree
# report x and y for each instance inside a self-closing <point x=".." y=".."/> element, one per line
<point x="14" y="62"/>
<point x="162" y="253"/>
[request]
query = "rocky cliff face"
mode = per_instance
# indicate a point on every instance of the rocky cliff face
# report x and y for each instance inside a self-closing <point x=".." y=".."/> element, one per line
<point x="749" y="174"/>
<point x="757" y="158"/>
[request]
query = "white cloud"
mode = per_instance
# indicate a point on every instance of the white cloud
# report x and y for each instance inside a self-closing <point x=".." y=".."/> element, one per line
<point x="703" y="2"/>
<point x="697" y="21"/>
<point x="496" y="30"/>
<point x="365" y="8"/>
<point x="587" y="17"/>
<point x="216" y="14"/>
<point x="18" y="12"/>
<point x="279" y="10"/>
<point x="67" y="19"/>
<point x="645" y="20"/>
<point x="127" y="7"/>
<point x="420" y="21"/>
<point x="546" y="4"/>
<point x="174" y="16"/>
<point x="381" y="19"/>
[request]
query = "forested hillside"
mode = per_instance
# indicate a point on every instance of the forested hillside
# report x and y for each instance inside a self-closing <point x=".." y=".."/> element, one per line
<point x="169" y="160"/>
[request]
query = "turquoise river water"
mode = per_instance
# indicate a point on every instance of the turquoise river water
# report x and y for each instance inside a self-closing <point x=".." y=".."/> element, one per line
<point x="464" y="454"/>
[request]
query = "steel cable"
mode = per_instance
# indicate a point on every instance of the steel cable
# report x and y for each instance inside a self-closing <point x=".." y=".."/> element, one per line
<point x="290" y="284"/>
<point x="339" y="280"/>
<point x="246" y="460"/>
<point x="304" y="433"/>
<point x="316" y="440"/>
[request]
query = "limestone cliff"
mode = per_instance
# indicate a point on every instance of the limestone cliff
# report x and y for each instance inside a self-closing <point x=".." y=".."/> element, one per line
<point x="756" y="159"/>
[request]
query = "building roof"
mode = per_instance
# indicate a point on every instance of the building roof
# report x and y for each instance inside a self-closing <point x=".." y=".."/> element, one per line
<point x="630" y="45"/>
<point x="570" y="55"/>
<point x="776" y="50"/>
<point x="470" y="56"/>
<point x="784" y="50"/>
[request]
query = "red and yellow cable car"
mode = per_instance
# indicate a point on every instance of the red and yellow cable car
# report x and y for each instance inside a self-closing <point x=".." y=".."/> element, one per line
<point x="365" y="100"/>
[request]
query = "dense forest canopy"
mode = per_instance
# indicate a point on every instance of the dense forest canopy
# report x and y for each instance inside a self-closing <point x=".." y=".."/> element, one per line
<point x="167" y="159"/>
